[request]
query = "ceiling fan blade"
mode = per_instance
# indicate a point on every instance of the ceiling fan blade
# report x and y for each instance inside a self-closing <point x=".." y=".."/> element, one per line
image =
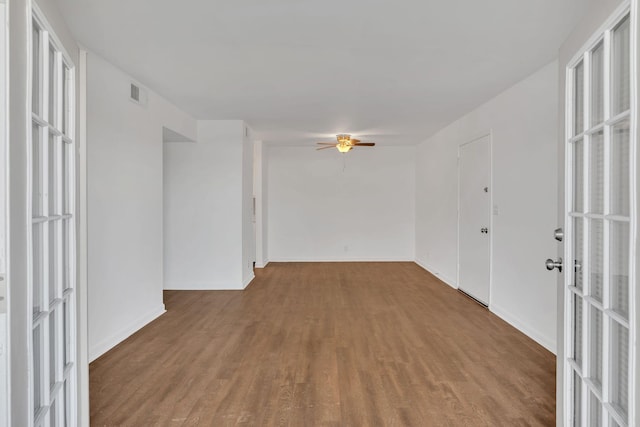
<point x="326" y="143"/>
<point x="365" y="144"/>
<point x="324" y="148"/>
<point x="354" y="141"/>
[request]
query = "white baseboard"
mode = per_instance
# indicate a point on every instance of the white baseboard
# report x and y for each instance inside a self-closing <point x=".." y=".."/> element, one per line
<point x="262" y="264"/>
<point x="436" y="273"/>
<point x="204" y="286"/>
<point x="341" y="260"/>
<point x="108" y="343"/>
<point x="248" y="280"/>
<point x="541" y="339"/>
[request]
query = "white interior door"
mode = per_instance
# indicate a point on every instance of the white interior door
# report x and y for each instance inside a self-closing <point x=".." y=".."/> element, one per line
<point x="600" y="222"/>
<point x="474" y="217"/>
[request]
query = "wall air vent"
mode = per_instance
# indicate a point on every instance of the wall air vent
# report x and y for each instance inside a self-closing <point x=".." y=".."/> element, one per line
<point x="135" y="93"/>
<point x="138" y="94"/>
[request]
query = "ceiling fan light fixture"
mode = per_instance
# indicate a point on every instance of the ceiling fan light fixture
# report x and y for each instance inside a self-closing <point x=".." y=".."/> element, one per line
<point x="345" y="143"/>
<point x="343" y="138"/>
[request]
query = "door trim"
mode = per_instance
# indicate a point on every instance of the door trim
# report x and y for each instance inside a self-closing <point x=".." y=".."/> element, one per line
<point x="489" y="135"/>
<point x="4" y="145"/>
<point x="82" y="233"/>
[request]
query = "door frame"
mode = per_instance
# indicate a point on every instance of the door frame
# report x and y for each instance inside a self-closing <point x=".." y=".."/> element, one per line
<point x="82" y="274"/>
<point x="489" y="135"/>
<point x="565" y="334"/>
<point x="4" y="146"/>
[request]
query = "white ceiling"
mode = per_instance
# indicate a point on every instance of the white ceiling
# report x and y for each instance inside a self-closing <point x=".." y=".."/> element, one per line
<point x="302" y="70"/>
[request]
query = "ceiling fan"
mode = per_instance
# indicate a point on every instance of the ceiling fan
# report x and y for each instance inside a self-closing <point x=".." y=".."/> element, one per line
<point x="345" y="143"/>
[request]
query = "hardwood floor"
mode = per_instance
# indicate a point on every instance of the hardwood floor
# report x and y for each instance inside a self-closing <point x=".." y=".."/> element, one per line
<point x="327" y="344"/>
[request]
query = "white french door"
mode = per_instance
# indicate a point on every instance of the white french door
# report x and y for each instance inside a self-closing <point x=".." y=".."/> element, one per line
<point x="52" y="239"/>
<point x="600" y="223"/>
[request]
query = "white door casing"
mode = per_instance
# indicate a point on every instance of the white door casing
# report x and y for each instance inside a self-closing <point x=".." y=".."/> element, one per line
<point x="600" y="227"/>
<point x="4" y="174"/>
<point x="474" y="231"/>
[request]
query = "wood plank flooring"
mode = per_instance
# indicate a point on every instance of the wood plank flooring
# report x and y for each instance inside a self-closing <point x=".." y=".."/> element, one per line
<point x="326" y="344"/>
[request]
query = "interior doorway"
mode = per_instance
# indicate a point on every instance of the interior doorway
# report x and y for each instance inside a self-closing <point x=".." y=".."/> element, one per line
<point x="474" y="217"/>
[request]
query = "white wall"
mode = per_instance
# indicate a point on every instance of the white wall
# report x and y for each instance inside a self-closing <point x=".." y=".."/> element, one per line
<point x="124" y="156"/>
<point x="248" y="226"/>
<point x="264" y="205"/>
<point x="523" y="122"/>
<point x="206" y="194"/>
<point x="328" y="206"/>
<point x="259" y="181"/>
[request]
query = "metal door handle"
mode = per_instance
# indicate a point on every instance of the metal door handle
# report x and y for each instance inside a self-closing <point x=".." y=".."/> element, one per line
<point x="551" y="264"/>
<point x="484" y="230"/>
<point x="3" y="294"/>
<point x="558" y="234"/>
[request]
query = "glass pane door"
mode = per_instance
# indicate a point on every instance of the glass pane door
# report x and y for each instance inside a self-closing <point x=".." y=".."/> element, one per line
<point x="599" y="223"/>
<point x="53" y="373"/>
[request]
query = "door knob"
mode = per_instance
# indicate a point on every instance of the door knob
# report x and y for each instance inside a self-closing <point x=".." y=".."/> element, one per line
<point x="484" y="230"/>
<point x="558" y="234"/>
<point x="551" y="264"/>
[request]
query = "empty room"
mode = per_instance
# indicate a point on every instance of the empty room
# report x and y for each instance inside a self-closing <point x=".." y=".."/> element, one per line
<point x="337" y="213"/>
